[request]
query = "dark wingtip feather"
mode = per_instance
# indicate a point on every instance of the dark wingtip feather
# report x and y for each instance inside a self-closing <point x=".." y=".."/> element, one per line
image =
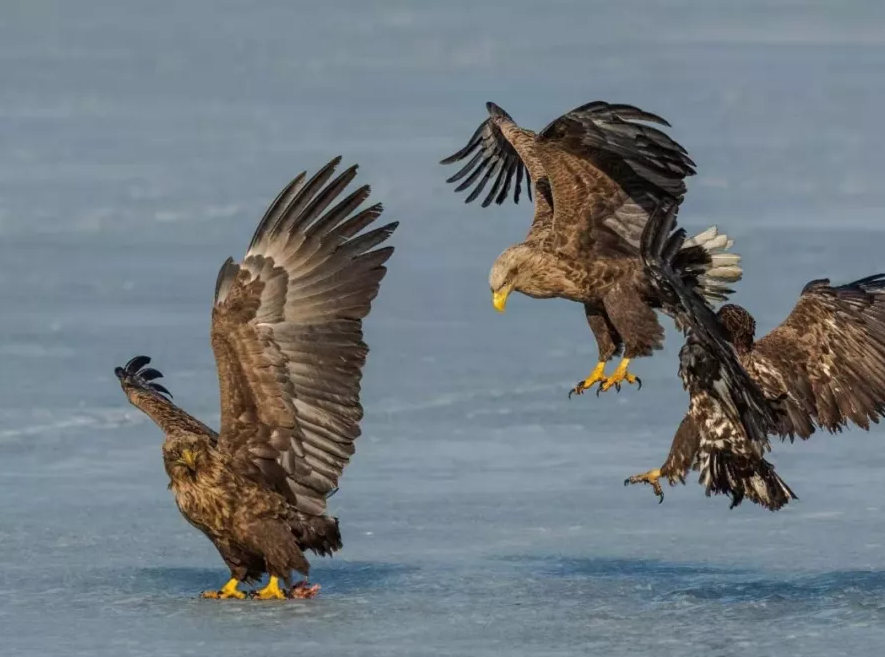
<point x="491" y="156"/>
<point x="497" y="111"/>
<point x="291" y="199"/>
<point x="135" y="374"/>
<point x="225" y="274"/>
<point x="160" y="389"/>
<point x="136" y="364"/>
<point x="149" y="374"/>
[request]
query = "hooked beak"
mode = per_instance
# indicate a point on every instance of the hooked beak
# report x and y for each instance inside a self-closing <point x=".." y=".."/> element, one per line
<point x="499" y="299"/>
<point x="189" y="459"/>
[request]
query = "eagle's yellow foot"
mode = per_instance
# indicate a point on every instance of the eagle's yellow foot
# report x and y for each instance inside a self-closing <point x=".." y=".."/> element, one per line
<point x="597" y="375"/>
<point x="653" y="478"/>
<point x="618" y="377"/>
<point x="303" y="590"/>
<point x="270" y="592"/>
<point x="229" y="590"/>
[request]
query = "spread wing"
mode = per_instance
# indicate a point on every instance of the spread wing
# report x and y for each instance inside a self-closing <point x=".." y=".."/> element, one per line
<point x="828" y="356"/>
<point x="613" y="173"/>
<point x="500" y="150"/>
<point x="598" y="173"/>
<point x="288" y="341"/>
<point x="493" y="156"/>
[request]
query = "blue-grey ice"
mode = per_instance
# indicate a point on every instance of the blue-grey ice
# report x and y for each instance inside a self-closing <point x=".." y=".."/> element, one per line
<point x="484" y="512"/>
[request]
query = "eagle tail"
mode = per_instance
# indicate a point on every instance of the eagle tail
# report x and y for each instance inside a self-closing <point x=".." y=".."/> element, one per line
<point x="320" y="534"/>
<point x="706" y="264"/>
<point x="736" y="475"/>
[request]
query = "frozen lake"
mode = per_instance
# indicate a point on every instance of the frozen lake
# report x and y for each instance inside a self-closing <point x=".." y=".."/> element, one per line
<point x="484" y="512"/>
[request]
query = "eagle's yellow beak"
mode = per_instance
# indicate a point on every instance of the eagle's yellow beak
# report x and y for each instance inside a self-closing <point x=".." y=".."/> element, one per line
<point x="189" y="458"/>
<point x="499" y="299"/>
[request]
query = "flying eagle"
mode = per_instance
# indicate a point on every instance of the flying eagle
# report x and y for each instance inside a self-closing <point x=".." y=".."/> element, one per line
<point x="288" y="342"/>
<point x="826" y="361"/>
<point x="597" y="175"/>
<point x="730" y="412"/>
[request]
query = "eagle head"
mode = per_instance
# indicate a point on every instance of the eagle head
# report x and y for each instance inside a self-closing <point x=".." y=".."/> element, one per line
<point x="739" y="326"/>
<point x="184" y="456"/>
<point x="504" y="276"/>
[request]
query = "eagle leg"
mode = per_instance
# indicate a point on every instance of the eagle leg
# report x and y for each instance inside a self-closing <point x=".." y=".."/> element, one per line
<point x="653" y="478"/>
<point x="270" y="592"/>
<point x="597" y="375"/>
<point x="302" y="590"/>
<point x="229" y="590"/>
<point x="618" y="377"/>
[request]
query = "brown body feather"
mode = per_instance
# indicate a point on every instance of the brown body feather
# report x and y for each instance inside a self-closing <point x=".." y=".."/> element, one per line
<point x="598" y="173"/>
<point x="287" y="337"/>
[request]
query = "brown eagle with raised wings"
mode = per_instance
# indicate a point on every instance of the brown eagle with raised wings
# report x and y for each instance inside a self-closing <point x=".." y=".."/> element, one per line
<point x="825" y="362"/>
<point x="598" y="173"/>
<point x="288" y="342"/>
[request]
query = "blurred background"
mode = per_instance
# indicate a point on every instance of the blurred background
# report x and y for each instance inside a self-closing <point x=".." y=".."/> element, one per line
<point x="484" y="512"/>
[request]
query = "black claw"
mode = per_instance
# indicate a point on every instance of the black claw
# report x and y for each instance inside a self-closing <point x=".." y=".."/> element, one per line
<point x="627" y="481"/>
<point x="577" y="390"/>
<point x="661" y="498"/>
<point x="598" y="389"/>
<point x="617" y="387"/>
<point x="639" y="382"/>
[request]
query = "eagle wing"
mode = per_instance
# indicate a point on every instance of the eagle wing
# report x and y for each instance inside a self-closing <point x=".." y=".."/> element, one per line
<point x="731" y="413"/>
<point x="614" y="171"/>
<point x="288" y="341"/>
<point x="493" y="155"/>
<point x="723" y="370"/>
<point x="828" y="356"/>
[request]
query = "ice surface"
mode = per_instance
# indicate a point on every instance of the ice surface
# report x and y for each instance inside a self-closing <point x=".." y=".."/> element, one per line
<point x="484" y="512"/>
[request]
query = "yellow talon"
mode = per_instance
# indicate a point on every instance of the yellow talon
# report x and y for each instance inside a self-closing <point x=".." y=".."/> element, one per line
<point x="598" y="374"/>
<point x="229" y="590"/>
<point x="271" y="592"/>
<point x="653" y="478"/>
<point x="618" y="377"/>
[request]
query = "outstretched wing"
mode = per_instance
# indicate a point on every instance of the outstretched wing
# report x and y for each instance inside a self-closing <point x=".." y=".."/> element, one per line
<point x="288" y="341"/>
<point x="501" y="150"/>
<point x="613" y="173"/>
<point x="493" y="157"/>
<point x="828" y="356"/>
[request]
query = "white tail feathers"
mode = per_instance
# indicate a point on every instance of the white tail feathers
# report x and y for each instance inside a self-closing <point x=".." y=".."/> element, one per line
<point x="724" y="268"/>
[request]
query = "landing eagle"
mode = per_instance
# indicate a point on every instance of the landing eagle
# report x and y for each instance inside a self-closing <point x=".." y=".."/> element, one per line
<point x="288" y="342"/>
<point x="598" y="172"/>
<point x="826" y="360"/>
<point x="731" y="413"/>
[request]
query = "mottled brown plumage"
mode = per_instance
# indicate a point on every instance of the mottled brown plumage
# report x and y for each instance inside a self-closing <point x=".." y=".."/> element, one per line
<point x="598" y="173"/>
<point x="730" y="413"/>
<point x="825" y="361"/>
<point x="287" y="336"/>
